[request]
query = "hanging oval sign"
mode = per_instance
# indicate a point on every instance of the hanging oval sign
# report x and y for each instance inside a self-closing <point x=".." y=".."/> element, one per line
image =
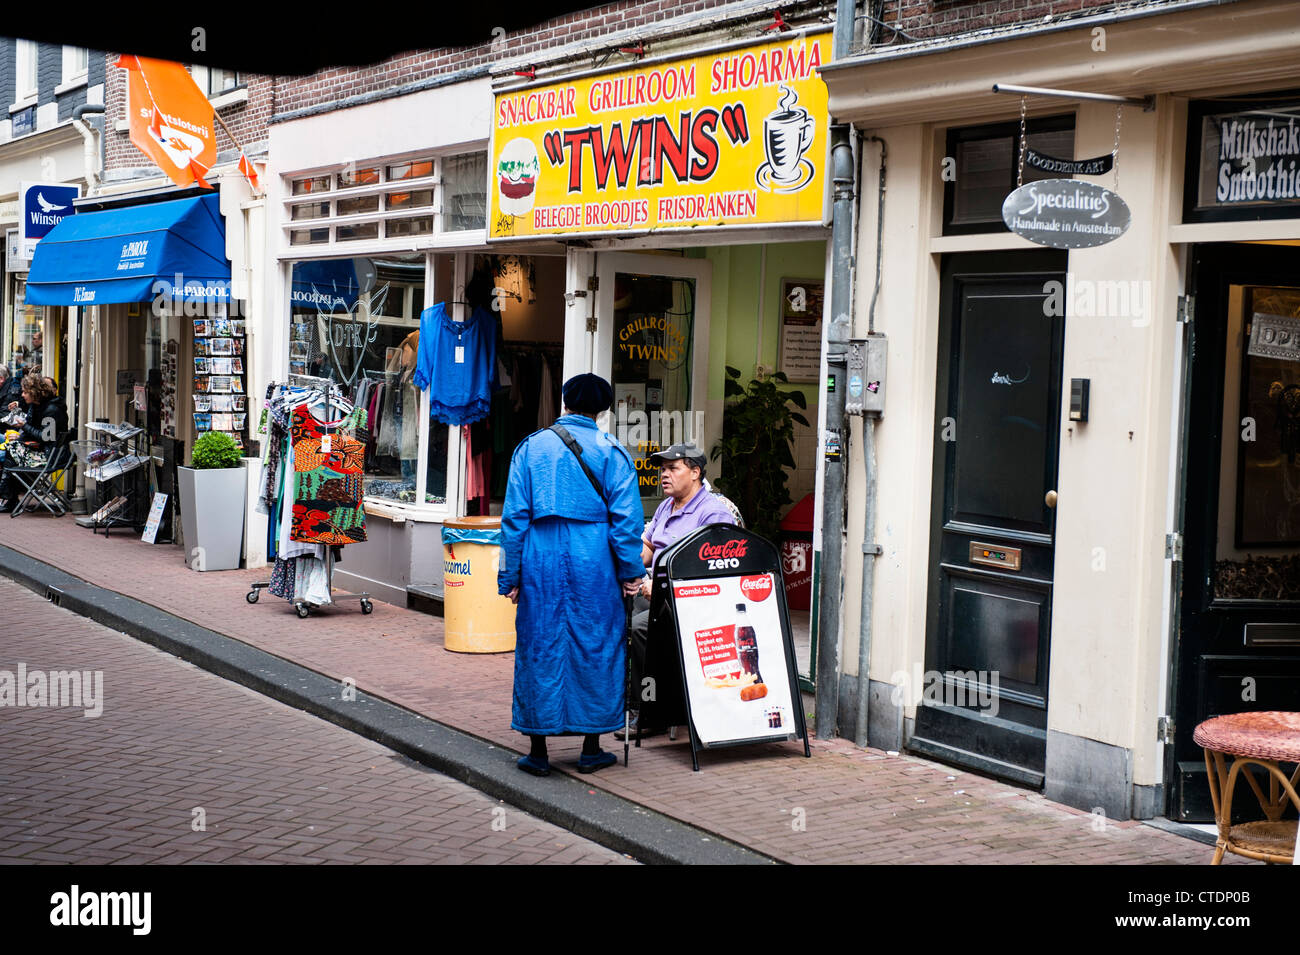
<point x="1066" y="213"/>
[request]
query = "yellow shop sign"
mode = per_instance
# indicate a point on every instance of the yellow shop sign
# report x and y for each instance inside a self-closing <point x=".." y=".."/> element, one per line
<point x="732" y="138"/>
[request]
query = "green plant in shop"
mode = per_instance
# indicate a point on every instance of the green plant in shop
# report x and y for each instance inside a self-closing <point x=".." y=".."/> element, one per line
<point x="757" y="431"/>
<point x="216" y="449"/>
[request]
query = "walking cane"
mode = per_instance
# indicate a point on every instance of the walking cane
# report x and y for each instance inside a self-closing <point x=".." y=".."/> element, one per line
<point x="627" y="673"/>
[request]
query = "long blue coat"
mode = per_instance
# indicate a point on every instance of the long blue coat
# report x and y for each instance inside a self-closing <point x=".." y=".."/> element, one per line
<point x="560" y="546"/>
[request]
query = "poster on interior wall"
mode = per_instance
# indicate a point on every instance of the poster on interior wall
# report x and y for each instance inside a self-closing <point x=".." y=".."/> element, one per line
<point x="801" y="328"/>
<point x="1066" y="214"/>
<point x="734" y="137"/>
<point x="1274" y="336"/>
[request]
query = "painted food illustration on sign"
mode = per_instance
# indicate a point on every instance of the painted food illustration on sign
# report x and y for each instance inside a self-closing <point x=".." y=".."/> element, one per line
<point x="517" y="172"/>
<point x="729" y="657"/>
<point x="787" y="135"/>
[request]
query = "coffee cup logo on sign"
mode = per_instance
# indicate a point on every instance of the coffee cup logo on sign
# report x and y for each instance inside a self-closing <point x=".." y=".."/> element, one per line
<point x="787" y="134"/>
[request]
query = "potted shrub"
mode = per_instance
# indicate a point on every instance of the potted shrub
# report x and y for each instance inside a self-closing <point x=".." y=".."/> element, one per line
<point x="757" y="429"/>
<point x="212" y="504"/>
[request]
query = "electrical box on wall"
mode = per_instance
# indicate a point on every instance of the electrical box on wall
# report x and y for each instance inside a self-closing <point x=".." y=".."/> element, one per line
<point x="1079" y="399"/>
<point x="865" y="393"/>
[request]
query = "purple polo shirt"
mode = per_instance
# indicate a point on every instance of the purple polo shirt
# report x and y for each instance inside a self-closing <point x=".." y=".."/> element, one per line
<point x="668" y="526"/>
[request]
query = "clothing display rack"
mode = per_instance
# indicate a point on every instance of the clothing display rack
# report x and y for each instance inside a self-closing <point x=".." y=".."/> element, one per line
<point x="326" y="390"/>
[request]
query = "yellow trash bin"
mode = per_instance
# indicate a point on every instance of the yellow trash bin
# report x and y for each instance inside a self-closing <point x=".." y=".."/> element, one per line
<point x="477" y="619"/>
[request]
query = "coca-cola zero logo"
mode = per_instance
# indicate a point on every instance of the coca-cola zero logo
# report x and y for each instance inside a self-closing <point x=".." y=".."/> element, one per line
<point x="756" y="587"/>
<point x="723" y="556"/>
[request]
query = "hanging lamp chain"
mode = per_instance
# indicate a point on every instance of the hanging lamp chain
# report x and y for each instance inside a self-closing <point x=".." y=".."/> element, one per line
<point x="1020" y="166"/>
<point x="1114" y="153"/>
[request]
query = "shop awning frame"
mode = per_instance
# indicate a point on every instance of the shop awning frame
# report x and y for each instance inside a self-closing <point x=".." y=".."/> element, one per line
<point x="175" y="249"/>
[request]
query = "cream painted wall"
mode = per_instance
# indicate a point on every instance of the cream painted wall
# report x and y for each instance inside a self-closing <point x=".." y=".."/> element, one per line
<point x="907" y="313"/>
<point x="455" y="115"/>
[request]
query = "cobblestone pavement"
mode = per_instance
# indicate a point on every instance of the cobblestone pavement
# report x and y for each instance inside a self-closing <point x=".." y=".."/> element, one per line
<point x="183" y="766"/>
<point x="844" y="805"/>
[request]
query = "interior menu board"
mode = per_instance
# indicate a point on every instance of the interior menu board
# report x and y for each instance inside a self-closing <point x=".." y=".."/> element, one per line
<point x="734" y="660"/>
<point x="801" y="328"/>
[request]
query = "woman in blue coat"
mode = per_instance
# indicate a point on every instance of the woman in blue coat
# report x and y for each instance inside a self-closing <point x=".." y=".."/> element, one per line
<point x="565" y="551"/>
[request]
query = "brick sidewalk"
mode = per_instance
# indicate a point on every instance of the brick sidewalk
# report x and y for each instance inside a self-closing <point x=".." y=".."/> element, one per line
<point x="843" y="805"/>
<point x="275" y="785"/>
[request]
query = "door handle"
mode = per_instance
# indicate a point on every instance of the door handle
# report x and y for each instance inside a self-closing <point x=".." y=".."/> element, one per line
<point x="1050" y="499"/>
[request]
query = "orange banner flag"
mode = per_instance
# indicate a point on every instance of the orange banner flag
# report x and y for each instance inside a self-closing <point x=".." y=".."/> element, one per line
<point x="246" y="167"/>
<point x="171" y="119"/>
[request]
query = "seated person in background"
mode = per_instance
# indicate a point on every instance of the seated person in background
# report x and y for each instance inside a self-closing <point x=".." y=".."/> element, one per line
<point x="47" y="417"/>
<point x="11" y="388"/>
<point x="688" y="506"/>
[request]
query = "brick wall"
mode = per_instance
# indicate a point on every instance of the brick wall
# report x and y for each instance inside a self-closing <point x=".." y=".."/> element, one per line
<point x="925" y="19"/>
<point x="334" y="86"/>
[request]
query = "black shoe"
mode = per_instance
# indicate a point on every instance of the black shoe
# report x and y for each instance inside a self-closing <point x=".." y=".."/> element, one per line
<point x="8" y="506"/>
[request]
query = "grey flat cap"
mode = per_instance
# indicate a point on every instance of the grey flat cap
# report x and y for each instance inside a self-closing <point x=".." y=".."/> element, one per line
<point x="686" y="452"/>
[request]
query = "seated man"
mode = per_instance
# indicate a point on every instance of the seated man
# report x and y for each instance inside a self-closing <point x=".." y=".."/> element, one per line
<point x="688" y="506"/>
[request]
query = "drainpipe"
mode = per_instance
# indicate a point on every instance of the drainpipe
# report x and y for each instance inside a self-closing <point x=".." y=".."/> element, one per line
<point x="90" y="164"/>
<point x="869" y="552"/>
<point x="90" y="139"/>
<point x="837" y="337"/>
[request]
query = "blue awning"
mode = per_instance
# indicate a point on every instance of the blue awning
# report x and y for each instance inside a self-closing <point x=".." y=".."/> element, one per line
<point x="176" y="249"/>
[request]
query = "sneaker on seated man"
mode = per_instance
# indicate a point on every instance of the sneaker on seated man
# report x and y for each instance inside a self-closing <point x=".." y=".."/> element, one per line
<point x="688" y="505"/>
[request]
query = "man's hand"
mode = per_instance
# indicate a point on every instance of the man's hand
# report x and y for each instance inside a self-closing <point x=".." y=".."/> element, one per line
<point x="631" y="587"/>
<point x="514" y="595"/>
<point x="643" y="587"/>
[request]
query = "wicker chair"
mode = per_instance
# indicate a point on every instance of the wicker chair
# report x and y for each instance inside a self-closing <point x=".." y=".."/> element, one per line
<point x="1253" y="739"/>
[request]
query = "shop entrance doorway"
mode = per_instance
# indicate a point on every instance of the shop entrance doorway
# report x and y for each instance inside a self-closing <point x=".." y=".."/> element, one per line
<point x="1238" y="648"/>
<point x="993" y="522"/>
<point x="652" y="344"/>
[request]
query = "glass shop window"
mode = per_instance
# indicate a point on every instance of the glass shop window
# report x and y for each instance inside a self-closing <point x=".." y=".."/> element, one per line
<point x="1258" y="552"/>
<point x="986" y="161"/>
<point x="357" y="321"/>
<point x="464" y="185"/>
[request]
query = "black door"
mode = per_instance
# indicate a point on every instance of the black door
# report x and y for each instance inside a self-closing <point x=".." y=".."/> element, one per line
<point x="1239" y="640"/>
<point x="984" y="698"/>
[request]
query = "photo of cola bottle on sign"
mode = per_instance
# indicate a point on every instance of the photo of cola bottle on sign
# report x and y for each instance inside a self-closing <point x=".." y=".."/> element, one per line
<point x="747" y="647"/>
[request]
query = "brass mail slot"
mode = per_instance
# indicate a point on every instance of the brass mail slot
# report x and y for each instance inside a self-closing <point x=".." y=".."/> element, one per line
<point x="995" y="555"/>
<point x="1271" y="634"/>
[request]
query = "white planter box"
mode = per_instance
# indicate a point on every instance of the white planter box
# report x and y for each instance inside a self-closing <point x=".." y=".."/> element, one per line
<point x="212" y="517"/>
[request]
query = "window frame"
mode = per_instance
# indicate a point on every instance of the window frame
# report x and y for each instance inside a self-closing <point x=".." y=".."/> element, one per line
<point x="434" y="183"/>
<point x="27" y="58"/>
<point x="418" y="510"/>
<point x="72" y="76"/>
<point x="956" y="135"/>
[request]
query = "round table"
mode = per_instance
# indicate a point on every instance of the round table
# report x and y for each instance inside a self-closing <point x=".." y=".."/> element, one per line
<point x="1253" y="739"/>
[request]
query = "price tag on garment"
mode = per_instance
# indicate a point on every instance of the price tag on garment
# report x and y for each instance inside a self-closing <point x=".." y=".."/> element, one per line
<point x="460" y="354"/>
<point x="326" y="442"/>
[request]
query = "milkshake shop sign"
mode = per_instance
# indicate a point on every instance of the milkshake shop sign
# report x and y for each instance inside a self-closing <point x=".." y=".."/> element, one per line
<point x="736" y="137"/>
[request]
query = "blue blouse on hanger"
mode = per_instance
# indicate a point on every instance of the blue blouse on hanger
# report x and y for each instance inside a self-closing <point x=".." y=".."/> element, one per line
<point x="455" y="361"/>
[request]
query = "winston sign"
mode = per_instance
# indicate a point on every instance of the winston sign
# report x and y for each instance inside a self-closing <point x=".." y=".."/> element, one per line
<point x="731" y="138"/>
